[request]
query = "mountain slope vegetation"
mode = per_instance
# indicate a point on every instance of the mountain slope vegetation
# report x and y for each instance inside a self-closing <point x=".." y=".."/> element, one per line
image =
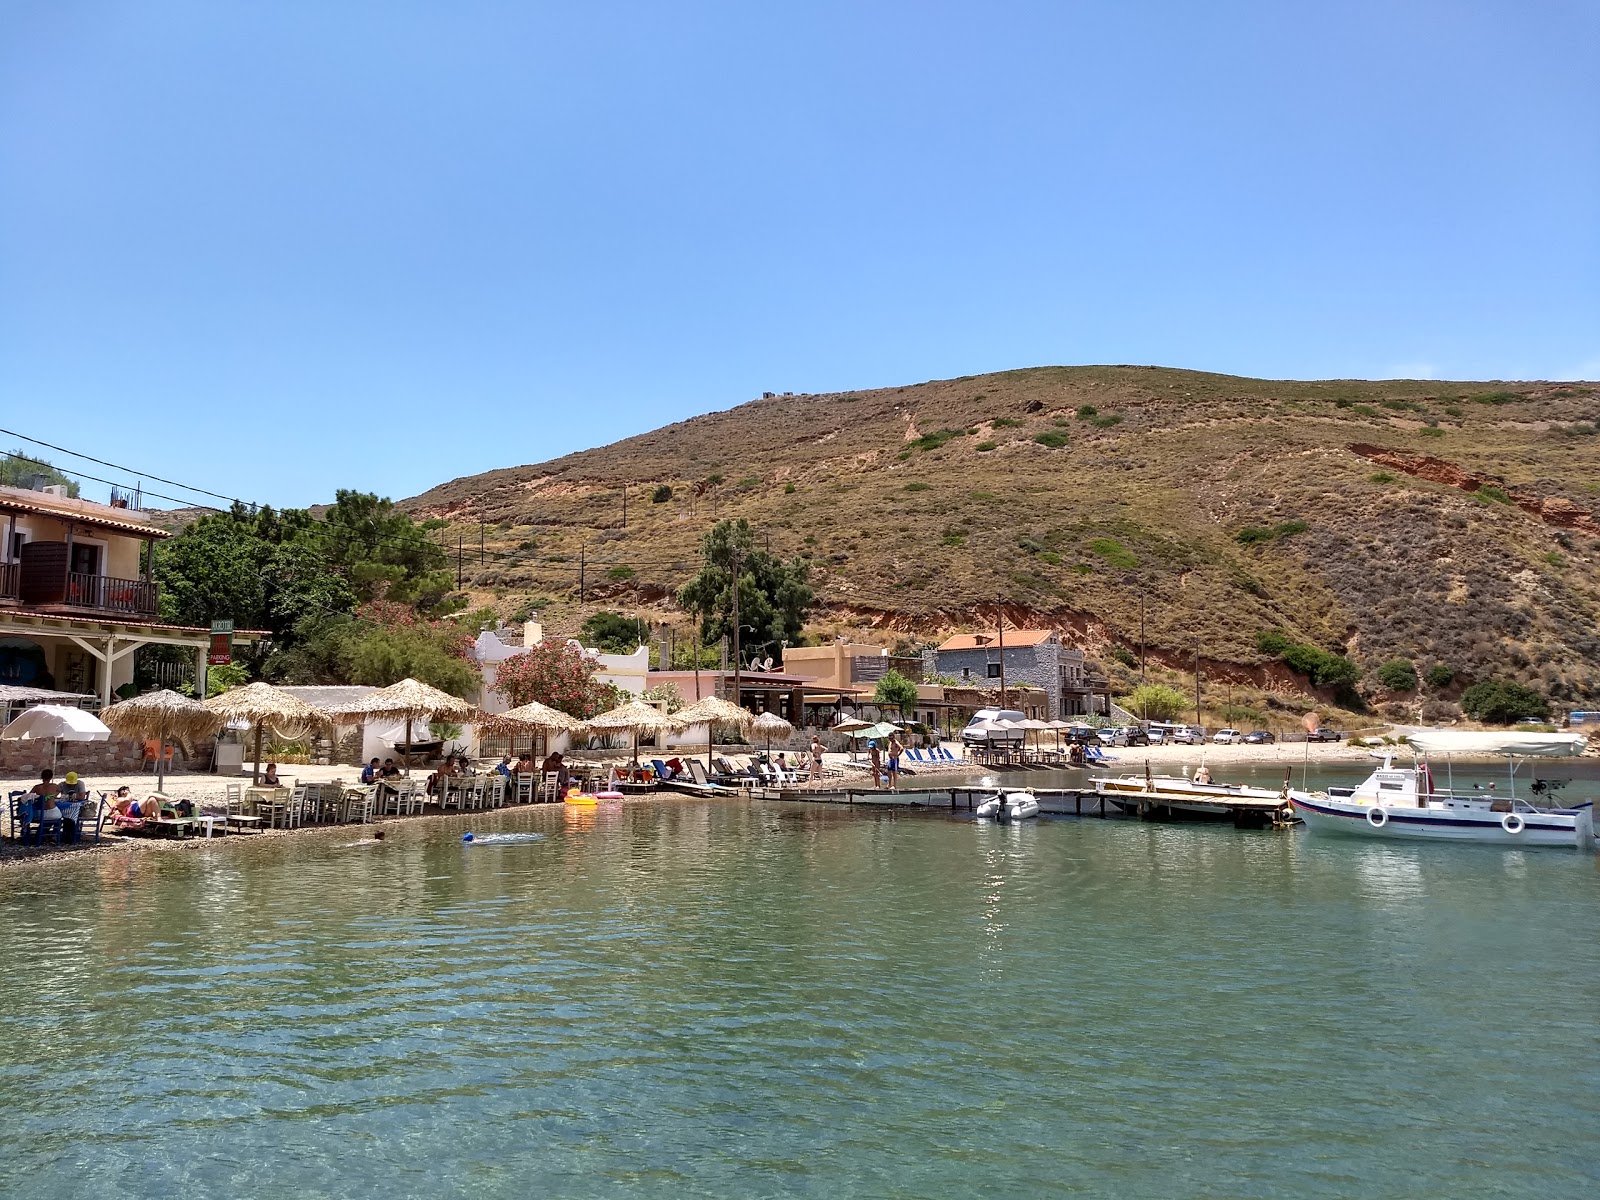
<point x="1454" y="525"/>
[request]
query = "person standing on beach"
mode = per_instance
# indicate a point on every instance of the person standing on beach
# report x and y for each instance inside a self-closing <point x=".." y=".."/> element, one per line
<point x="816" y="757"/>
<point x="895" y="750"/>
<point x="876" y="756"/>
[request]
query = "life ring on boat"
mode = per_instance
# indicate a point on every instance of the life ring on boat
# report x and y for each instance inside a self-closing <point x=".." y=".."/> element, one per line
<point x="1377" y="818"/>
<point x="1513" y="824"/>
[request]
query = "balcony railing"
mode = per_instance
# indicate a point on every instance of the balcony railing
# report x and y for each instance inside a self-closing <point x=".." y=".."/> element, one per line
<point x="9" y="580"/>
<point x="136" y="597"/>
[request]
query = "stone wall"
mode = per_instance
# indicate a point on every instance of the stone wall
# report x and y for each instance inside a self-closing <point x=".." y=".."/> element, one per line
<point x="116" y="756"/>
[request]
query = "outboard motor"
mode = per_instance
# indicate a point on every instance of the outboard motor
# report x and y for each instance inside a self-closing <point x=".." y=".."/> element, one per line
<point x="1003" y="812"/>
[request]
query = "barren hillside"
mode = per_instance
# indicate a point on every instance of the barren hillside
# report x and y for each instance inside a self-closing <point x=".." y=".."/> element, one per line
<point x="1450" y="523"/>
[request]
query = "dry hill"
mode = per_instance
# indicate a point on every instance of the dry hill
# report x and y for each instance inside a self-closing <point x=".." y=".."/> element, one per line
<point x="1451" y="523"/>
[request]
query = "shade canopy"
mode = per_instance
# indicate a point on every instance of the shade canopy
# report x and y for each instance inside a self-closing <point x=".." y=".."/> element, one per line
<point x="408" y="700"/>
<point x="634" y="717"/>
<point x="851" y="724"/>
<point x="1516" y="744"/>
<point x="262" y="705"/>
<point x="770" y="724"/>
<point x="881" y="730"/>
<point x="57" y="721"/>
<point x="161" y="714"/>
<point x="529" y="718"/>
<point x="716" y="711"/>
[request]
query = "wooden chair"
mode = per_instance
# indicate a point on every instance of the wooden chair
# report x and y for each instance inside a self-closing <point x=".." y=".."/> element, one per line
<point x="238" y="819"/>
<point x="359" y="804"/>
<point x="549" y="787"/>
<point x="527" y="785"/>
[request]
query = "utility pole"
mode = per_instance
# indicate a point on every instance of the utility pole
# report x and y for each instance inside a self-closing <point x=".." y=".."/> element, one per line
<point x="624" y="506"/>
<point x="458" y="560"/>
<point x="1197" y="682"/>
<point x="480" y="541"/>
<point x="1141" y="637"/>
<point x="1000" y="610"/>
<point x="736" y="625"/>
<point x="581" y="551"/>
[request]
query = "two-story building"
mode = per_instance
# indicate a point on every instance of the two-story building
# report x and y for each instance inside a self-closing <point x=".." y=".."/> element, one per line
<point x="1035" y="657"/>
<point x="78" y="595"/>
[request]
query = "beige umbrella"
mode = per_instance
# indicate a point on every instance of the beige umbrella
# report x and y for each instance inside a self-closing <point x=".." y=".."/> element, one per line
<point x="160" y="714"/>
<point x="714" y="711"/>
<point x="532" y="718"/>
<point x="771" y="725"/>
<point x="262" y="704"/>
<point x="634" y="717"/>
<point x="408" y="701"/>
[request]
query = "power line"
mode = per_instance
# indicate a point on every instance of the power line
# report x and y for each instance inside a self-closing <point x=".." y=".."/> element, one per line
<point x="118" y="467"/>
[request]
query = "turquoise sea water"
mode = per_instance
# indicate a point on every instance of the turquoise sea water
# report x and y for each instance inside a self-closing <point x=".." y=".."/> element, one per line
<point x="682" y="999"/>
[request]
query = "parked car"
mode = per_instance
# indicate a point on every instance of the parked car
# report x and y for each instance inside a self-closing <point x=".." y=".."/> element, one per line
<point x="1325" y="735"/>
<point x="1188" y="735"/>
<point x="1227" y="737"/>
<point x="1259" y="737"/>
<point x="1124" y="735"/>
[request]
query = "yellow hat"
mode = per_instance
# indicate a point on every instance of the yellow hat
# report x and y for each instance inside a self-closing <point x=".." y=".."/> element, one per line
<point x="72" y="777"/>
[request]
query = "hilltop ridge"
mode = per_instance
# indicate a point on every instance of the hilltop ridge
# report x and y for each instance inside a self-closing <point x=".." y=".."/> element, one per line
<point x="1449" y="523"/>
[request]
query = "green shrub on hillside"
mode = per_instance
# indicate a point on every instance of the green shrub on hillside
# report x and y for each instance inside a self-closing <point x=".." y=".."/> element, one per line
<point x="985" y="447"/>
<point x="1398" y="675"/>
<point x="1107" y="421"/>
<point x="1252" y="535"/>
<point x="1125" y="656"/>
<point x="1007" y="423"/>
<point x="1085" y="411"/>
<point x="619" y="573"/>
<point x="1495" y="398"/>
<point x="1439" y="676"/>
<point x="1114" y="552"/>
<point x="917" y="486"/>
<point x="1051" y="439"/>
<point x="932" y="441"/>
<point x="1489" y="492"/>
<point x="1501" y="702"/>
<point x="1322" y="667"/>
<point x="661" y="495"/>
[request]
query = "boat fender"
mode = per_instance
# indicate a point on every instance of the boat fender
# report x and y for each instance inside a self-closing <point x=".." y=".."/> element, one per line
<point x="1377" y="818"/>
<point x="466" y="837"/>
<point x="1512" y="823"/>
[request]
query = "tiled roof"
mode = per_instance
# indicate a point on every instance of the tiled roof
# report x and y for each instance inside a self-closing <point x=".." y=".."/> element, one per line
<point x="988" y="641"/>
<point x="80" y="511"/>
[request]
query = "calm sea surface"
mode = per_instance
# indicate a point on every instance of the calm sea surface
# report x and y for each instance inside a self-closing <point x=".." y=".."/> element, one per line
<point x="681" y="999"/>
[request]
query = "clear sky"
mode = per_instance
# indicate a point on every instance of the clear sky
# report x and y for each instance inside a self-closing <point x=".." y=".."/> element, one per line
<point x="277" y="248"/>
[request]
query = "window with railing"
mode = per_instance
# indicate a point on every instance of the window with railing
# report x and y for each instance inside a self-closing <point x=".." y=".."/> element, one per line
<point x="110" y="594"/>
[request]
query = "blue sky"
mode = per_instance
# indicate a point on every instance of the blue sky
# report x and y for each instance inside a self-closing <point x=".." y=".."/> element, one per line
<point x="275" y="249"/>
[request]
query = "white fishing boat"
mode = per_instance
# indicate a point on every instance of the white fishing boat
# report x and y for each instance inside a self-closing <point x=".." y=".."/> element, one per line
<point x="1407" y="802"/>
<point x="1009" y="806"/>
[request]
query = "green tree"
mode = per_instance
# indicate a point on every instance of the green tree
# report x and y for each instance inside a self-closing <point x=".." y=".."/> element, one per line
<point x="382" y="552"/>
<point x="1501" y="702"/>
<point x="17" y="470"/>
<point x="613" y="633"/>
<point x="1398" y="675"/>
<point x="666" y="695"/>
<point x="774" y="596"/>
<point x="1155" y="702"/>
<point x="1440" y="676"/>
<point x="894" y="690"/>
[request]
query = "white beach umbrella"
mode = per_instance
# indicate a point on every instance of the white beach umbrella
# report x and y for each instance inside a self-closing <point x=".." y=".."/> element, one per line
<point x="59" y="722"/>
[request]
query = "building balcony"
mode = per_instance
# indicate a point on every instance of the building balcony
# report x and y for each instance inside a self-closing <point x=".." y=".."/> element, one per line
<point x="35" y="585"/>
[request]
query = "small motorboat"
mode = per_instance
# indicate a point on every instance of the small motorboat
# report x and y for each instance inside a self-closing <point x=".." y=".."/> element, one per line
<point x="1009" y="806"/>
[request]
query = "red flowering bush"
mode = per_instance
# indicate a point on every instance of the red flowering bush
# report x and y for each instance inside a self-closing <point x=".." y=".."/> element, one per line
<point x="553" y="673"/>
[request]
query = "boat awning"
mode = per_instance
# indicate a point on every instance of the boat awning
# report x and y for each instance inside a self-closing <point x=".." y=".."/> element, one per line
<point x="1529" y="745"/>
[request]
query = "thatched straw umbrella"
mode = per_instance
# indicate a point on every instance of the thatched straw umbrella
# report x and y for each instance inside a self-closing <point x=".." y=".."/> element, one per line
<point x="160" y="714"/>
<point x="714" y="711"/>
<point x="408" y="701"/>
<point x="262" y="704"/>
<point x="634" y="717"/>
<point x="532" y="718"/>
<point x="771" y="725"/>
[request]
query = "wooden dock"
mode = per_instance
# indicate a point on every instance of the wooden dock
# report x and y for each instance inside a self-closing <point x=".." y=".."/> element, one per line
<point x="1241" y="812"/>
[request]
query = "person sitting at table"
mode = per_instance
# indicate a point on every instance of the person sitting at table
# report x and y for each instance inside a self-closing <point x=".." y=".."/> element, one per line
<point x="525" y="765"/>
<point x="42" y="806"/>
<point x="269" y="777"/>
<point x="557" y="766"/>
<point x="436" y="781"/>
<point x="370" y="773"/>
<point x="503" y="767"/>
<point x="70" y="800"/>
<point x="390" y="771"/>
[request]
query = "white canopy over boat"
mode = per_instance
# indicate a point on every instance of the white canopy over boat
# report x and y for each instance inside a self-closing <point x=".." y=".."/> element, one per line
<point x="1499" y="744"/>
